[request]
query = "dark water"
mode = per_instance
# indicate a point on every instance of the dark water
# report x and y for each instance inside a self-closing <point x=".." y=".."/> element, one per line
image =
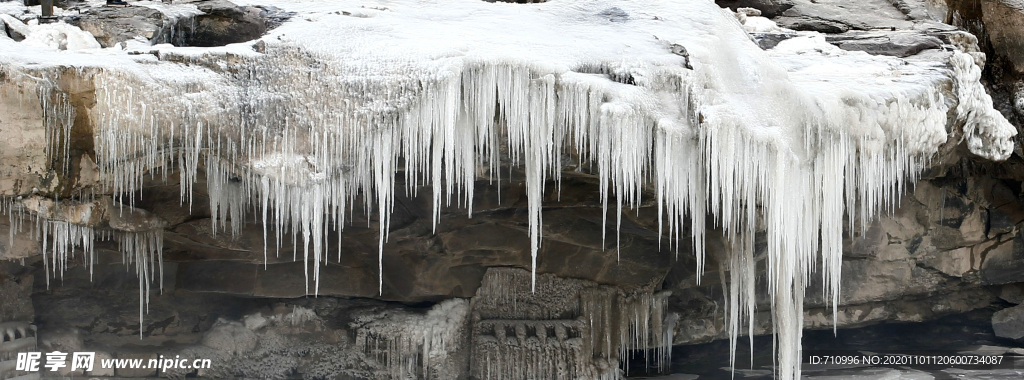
<point x="911" y="351"/>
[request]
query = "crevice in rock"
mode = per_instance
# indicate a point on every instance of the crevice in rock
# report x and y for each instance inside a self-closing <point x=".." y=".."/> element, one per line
<point x="609" y="72"/>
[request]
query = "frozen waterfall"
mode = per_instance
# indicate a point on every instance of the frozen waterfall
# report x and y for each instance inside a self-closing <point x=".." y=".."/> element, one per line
<point x="799" y="140"/>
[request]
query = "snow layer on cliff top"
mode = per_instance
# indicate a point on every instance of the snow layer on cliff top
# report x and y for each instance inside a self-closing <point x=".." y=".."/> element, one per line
<point x="436" y="39"/>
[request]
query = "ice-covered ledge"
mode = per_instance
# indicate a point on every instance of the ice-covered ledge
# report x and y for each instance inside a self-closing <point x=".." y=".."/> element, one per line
<point x="322" y="108"/>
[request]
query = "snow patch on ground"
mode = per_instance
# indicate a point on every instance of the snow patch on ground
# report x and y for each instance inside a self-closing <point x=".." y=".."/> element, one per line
<point x="171" y="10"/>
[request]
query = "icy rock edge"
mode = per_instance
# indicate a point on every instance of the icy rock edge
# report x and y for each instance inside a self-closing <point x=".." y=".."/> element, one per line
<point x="987" y="132"/>
<point x="725" y="130"/>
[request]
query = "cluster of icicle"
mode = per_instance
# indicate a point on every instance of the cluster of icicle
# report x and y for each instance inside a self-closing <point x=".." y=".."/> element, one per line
<point x="530" y="331"/>
<point x="64" y="227"/>
<point x="413" y="346"/>
<point x="60" y="239"/>
<point x="299" y="144"/>
<point x="533" y="349"/>
<point x="620" y="326"/>
<point x="298" y="138"/>
<point x="508" y="294"/>
<point x="583" y="329"/>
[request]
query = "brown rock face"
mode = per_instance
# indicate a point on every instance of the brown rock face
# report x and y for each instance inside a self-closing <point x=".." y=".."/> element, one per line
<point x="114" y="25"/>
<point x="224" y="23"/>
<point x="15" y="293"/>
<point x="1004" y="21"/>
<point x="422" y="265"/>
<point x="23" y="162"/>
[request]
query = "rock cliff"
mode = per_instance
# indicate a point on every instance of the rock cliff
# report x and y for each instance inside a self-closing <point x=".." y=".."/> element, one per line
<point x="198" y="144"/>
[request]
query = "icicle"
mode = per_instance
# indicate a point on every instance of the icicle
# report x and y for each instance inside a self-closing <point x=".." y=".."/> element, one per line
<point x="144" y="250"/>
<point x="414" y="346"/>
<point x="64" y="237"/>
<point x="250" y="126"/>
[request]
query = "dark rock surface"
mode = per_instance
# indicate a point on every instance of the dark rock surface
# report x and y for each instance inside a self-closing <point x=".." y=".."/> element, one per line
<point x="223" y="22"/>
<point x="114" y="25"/>
<point x="1004" y="20"/>
<point x="768" y="8"/>
<point x="10" y="31"/>
<point x="1004" y="263"/>
<point x="211" y="23"/>
<point x="770" y="40"/>
<point x="15" y="293"/>
<point x="1009" y="322"/>
<point x="894" y="44"/>
<point x="835" y="16"/>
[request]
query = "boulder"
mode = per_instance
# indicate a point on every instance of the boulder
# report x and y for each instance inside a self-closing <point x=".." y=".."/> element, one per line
<point x="900" y="44"/>
<point x="770" y="40"/>
<point x="1009" y="322"/>
<point x="113" y="25"/>
<point x="930" y="10"/>
<point x="12" y="27"/>
<point x="66" y="339"/>
<point x="815" y="24"/>
<point x="224" y="23"/>
<point x="98" y="370"/>
<point x="841" y="16"/>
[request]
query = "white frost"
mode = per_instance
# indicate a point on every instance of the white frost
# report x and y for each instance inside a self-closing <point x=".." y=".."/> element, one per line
<point x="987" y="132"/>
<point x="56" y="36"/>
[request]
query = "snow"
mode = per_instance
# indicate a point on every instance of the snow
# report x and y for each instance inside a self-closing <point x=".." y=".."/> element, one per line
<point x="171" y="10"/>
<point x="61" y="36"/>
<point x="55" y="36"/>
<point x="987" y="132"/>
<point x="797" y="136"/>
<point x="758" y="24"/>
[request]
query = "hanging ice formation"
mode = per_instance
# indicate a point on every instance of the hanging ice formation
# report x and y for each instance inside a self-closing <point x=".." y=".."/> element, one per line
<point x="66" y="226"/>
<point x="63" y="228"/>
<point x="673" y="94"/>
<point x="564" y="328"/>
<point x="412" y="346"/>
